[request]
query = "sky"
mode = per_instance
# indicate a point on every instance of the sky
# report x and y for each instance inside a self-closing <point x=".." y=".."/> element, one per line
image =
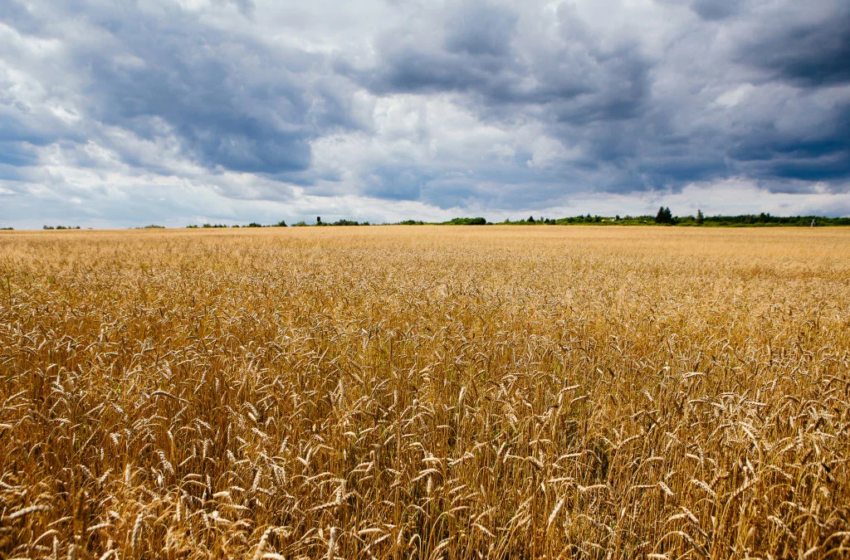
<point x="119" y="113"/>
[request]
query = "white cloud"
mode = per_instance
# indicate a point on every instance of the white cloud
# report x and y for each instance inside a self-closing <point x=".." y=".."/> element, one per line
<point x="239" y="110"/>
<point x="734" y="96"/>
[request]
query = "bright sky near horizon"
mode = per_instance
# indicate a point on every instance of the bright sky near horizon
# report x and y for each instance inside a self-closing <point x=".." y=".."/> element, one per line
<point x="125" y="113"/>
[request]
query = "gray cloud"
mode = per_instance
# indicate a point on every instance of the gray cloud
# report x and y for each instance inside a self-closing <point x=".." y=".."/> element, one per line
<point x="716" y="9"/>
<point x="596" y="90"/>
<point x="457" y="104"/>
<point x="473" y="48"/>
<point x="233" y="101"/>
<point x="807" y="53"/>
<point x="480" y="29"/>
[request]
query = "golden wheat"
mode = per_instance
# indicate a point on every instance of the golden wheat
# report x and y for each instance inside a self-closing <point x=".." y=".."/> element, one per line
<point x="425" y="392"/>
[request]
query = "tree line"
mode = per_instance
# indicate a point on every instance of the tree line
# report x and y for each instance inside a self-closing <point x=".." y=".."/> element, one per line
<point x="663" y="217"/>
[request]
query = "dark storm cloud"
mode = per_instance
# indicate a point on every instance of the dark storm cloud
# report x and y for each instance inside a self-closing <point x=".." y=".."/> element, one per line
<point x="599" y="91"/>
<point x="472" y="50"/>
<point x="582" y="87"/>
<point x="716" y="9"/>
<point x="677" y="92"/>
<point x="233" y="102"/>
<point x="807" y="54"/>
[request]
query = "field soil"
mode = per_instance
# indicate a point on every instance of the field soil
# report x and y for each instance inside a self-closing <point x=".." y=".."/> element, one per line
<point x="425" y="392"/>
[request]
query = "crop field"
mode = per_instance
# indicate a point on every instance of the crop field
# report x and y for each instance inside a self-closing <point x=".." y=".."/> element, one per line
<point x="425" y="392"/>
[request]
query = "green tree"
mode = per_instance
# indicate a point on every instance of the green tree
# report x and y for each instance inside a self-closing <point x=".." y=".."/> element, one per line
<point x="664" y="216"/>
<point x="700" y="218"/>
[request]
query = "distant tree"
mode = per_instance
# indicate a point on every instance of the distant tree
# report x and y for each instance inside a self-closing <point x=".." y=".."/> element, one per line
<point x="254" y="224"/>
<point x="700" y="218"/>
<point x="664" y="216"/>
<point x="281" y="223"/>
<point x="530" y="219"/>
<point x="478" y="221"/>
<point x="318" y="220"/>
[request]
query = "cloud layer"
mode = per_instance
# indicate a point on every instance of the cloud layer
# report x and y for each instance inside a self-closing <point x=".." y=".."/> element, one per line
<point x="124" y="113"/>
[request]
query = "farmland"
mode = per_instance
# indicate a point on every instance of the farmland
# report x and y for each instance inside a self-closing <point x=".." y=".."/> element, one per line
<point x="425" y="392"/>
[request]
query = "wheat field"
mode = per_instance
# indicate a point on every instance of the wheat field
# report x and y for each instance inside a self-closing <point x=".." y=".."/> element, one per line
<point x="425" y="392"/>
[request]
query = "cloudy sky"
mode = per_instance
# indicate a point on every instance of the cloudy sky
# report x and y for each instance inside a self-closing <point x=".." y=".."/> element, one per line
<point x="120" y="113"/>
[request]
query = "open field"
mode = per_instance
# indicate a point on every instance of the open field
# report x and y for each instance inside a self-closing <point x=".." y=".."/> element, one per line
<point x="425" y="392"/>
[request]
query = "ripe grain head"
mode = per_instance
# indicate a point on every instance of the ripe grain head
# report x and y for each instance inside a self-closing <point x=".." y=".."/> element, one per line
<point x="425" y="392"/>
